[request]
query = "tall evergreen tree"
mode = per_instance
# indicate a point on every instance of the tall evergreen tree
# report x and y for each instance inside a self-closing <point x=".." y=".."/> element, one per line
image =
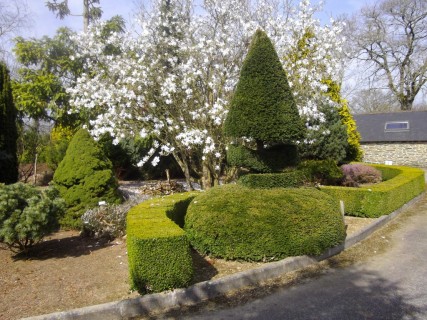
<point x="263" y="107"/>
<point x="8" y="130"/>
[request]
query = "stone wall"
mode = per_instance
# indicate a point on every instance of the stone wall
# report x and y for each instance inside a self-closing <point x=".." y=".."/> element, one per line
<point x="413" y="154"/>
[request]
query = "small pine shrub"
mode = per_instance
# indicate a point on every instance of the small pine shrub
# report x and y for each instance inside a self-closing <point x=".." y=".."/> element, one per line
<point x="84" y="177"/>
<point x="325" y="172"/>
<point x="355" y="174"/>
<point x="28" y="214"/>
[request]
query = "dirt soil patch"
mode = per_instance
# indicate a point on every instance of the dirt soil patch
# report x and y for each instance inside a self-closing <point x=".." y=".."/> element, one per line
<point x="67" y="271"/>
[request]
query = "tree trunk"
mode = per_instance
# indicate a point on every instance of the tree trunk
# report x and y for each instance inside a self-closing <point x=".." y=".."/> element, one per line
<point x="207" y="179"/>
<point x="35" y="170"/>
<point x="85" y="15"/>
<point x="406" y="103"/>
<point x="259" y="145"/>
<point x="183" y="164"/>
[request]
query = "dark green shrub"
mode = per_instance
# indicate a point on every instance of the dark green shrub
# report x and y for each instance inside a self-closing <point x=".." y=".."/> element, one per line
<point x="84" y="177"/>
<point x="403" y="184"/>
<point x="8" y="130"/>
<point x="290" y="179"/>
<point x="329" y="141"/>
<point x="234" y="222"/>
<point x="263" y="108"/>
<point x="273" y="159"/>
<point x="158" y="249"/>
<point x="324" y="172"/>
<point x="28" y="214"/>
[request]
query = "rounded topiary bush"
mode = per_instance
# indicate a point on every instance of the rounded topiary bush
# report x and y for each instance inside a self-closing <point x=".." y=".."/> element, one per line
<point x="84" y="177"/>
<point x="234" y="222"/>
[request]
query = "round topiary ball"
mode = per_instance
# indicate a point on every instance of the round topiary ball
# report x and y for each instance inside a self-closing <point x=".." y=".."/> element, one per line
<point x="234" y="222"/>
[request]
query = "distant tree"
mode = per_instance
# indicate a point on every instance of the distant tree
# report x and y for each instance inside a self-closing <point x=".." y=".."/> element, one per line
<point x="8" y="130"/>
<point x="14" y="16"/>
<point x="371" y="100"/>
<point x="91" y="11"/>
<point x="48" y="65"/>
<point x="84" y="177"/>
<point x="390" y="36"/>
<point x="263" y="107"/>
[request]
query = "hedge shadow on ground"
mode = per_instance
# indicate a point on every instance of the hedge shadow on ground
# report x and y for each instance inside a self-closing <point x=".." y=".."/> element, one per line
<point x="206" y="270"/>
<point x="72" y="246"/>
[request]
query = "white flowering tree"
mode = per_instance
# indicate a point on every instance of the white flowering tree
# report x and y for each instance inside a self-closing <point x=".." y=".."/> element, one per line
<point x="173" y="78"/>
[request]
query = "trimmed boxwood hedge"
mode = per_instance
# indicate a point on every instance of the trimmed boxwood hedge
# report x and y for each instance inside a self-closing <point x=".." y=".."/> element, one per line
<point x="158" y="249"/>
<point x="402" y="184"/>
<point x="291" y="179"/>
<point x="235" y="222"/>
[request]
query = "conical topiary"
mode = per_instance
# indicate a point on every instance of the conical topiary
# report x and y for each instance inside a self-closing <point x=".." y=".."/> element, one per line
<point x="263" y="107"/>
<point x="84" y="177"/>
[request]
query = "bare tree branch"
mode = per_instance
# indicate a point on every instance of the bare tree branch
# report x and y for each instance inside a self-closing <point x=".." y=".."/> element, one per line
<point x="391" y="37"/>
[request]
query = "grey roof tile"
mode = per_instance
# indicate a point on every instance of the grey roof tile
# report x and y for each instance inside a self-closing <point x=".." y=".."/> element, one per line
<point x="372" y="126"/>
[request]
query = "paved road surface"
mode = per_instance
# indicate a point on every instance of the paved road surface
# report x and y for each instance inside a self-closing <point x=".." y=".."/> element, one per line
<point x="388" y="285"/>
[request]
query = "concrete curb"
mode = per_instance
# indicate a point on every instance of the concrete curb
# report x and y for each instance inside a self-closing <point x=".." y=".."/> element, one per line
<point x="195" y="294"/>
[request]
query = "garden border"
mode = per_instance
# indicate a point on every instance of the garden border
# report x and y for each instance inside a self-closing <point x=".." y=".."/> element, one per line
<point x="200" y="292"/>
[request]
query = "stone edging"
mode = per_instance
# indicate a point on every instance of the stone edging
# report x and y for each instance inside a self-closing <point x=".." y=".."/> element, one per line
<point x="200" y="292"/>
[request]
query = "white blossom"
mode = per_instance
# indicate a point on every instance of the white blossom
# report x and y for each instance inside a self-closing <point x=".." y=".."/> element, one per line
<point x="181" y="96"/>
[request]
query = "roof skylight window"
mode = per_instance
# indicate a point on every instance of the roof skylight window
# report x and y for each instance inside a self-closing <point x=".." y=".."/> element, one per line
<point x="397" y="126"/>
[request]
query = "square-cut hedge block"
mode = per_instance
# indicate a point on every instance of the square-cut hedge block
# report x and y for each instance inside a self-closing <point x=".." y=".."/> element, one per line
<point x="158" y="249"/>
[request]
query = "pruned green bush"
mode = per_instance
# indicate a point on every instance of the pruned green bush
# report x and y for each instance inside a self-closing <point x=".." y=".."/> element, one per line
<point x="28" y="214"/>
<point x="290" y="179"/>
<point x="158" y="249"/>
<point x="402" y="185"/>
<point x="263" y="107"/>
<point x="263" y="110"/>
<point x="84" y="178"/>
<point x="325" y="172"/>
<point x="273" y="159"/>
<point x="234" y="222"/>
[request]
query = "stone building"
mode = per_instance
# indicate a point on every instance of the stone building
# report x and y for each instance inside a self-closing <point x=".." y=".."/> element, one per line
<point x="398" y="138"/>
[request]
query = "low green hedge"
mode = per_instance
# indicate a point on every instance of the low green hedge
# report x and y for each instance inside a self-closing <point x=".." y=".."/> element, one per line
<point x="401" y="185"/>
<point x="158" y="249"/>
<point x="291" y="179"/>
<point x="235" y="222"/>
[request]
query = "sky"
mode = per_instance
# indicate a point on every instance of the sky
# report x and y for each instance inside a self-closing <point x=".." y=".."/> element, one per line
<point x="45" y="22"/>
